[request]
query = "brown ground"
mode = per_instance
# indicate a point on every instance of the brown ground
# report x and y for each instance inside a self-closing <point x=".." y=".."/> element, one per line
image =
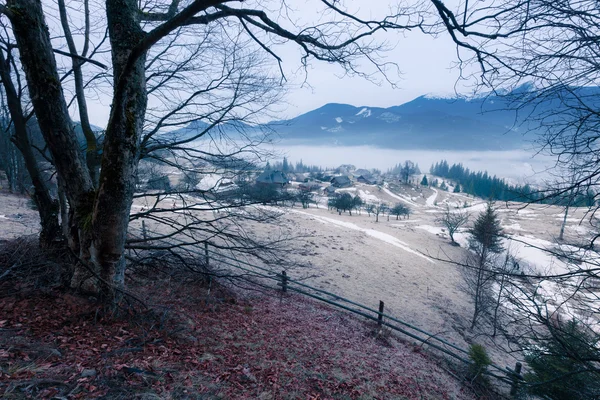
<point x="193" y="345"/>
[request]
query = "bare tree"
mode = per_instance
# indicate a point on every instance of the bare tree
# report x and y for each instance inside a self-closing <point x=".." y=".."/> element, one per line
<point x="101" y="212"/>
<point x="407" y="170"/>
<point x="47" y="206"/>
<point x="400" y="209"/>
<point x="453" y="220"/>
<point x="380" y="208"/>
<point x="549" y="48"/>
<point x="11" y="161"/>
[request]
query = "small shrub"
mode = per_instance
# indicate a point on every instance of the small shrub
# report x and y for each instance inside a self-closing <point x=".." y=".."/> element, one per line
<point x="480" y="362"/>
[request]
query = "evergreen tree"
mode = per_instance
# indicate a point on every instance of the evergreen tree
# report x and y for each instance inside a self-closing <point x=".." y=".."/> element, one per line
<point x="285" y="167"/>
<point x="557" y="362"/>
<point x="486" y="230"/>
<point x="485" y="241"/>
<point x="443" y="186"/>
<point x="424" y="181"/>
<point x="456" y="188"/>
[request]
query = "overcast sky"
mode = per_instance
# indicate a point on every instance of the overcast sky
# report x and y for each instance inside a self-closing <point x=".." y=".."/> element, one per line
<point x="424" y="61"/>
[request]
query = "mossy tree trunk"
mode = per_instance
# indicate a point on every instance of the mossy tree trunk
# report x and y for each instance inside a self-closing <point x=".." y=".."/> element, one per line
<point x="50" y="107"/>
<point x="122" y="146"/>
<point x="48" y="207"/>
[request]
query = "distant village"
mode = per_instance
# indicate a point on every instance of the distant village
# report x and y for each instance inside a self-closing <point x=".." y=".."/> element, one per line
<point x="328" y="181"/>
<point x="237" y="178"/>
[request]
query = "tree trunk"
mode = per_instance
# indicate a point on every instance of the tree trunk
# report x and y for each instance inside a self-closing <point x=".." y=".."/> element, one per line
<point x="64" y="208"/>
<point x="121" y="148"/>
<point x="50" y="107"/>
<point x="46" y="205"/>
<point x="479" y="287"/>
<point x="497" y="305"/>
<point x="564" y="223"/>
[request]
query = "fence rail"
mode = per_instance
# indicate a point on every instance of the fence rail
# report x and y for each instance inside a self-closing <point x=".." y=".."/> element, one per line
<point x="504" y="374"/>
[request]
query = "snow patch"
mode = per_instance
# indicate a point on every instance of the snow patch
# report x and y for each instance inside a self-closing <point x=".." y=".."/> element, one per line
<point x="389" y="117"/>
<point x="431" y="199"/>
<point x="460" y="237"/>
<point x="215" y="183"/>
<point x="365" y="112"/>
<point x="474" y="208"/>
<point x="367" y="196"/>
<point x="582" y="230"/>
<point x="525" y="212"/>
<point x="442" y="96"/>
<point x="514" y="226"/>
<point x="397" y="197"/>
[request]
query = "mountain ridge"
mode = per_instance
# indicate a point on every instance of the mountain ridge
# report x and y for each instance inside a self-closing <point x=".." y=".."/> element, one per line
<point x="428" y="122"/>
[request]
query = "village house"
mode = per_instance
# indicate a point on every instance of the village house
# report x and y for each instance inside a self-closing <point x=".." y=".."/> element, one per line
<point x="272" y="177"/>
<point x="309" y="186"/>
<point x="329" y="191"/>
<point x="341" y="181"/>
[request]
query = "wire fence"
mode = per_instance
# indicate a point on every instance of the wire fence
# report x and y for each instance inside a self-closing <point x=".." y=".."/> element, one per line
<point x="285" y="283"/>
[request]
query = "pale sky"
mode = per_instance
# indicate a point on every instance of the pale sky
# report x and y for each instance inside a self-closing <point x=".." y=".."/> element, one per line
<point x="424" y="61"/>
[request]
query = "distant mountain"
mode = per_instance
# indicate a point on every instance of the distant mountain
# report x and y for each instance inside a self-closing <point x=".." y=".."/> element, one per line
<point x="229" y="129"/>
<point x="423" y="123"/>
<point x="480" y="123"/>
<point x="427" y="122"/>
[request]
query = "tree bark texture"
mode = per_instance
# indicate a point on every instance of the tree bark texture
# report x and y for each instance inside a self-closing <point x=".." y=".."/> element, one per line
<point x="47" y="206"/>
<point x="50" y="107"/>
<point x="121" y="147"/>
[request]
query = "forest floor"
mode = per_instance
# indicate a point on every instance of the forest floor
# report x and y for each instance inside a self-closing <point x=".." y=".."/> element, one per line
<point x="195" y="344"/>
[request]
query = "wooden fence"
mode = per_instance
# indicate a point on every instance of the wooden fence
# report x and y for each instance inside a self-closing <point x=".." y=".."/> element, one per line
<point x="285" y="284"/>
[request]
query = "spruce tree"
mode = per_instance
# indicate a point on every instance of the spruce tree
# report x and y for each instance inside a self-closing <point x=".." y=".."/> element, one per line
<point x="456" y="188"/>
<point x="485" y="242"/>
<point x="487" y="230"/>
<point x="285" y="167"/>
<point x="424" y="181"/>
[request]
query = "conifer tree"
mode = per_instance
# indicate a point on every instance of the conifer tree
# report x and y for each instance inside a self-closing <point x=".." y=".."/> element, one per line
<point x="486" y="243"/>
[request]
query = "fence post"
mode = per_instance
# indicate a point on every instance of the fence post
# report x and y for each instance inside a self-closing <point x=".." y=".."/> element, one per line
<point x="144" y="230"/>
<point x="515" y="379"/>
<point x="284" y="281"/>
<point x="206" y="253"/>
<point x="380" y="314"/>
